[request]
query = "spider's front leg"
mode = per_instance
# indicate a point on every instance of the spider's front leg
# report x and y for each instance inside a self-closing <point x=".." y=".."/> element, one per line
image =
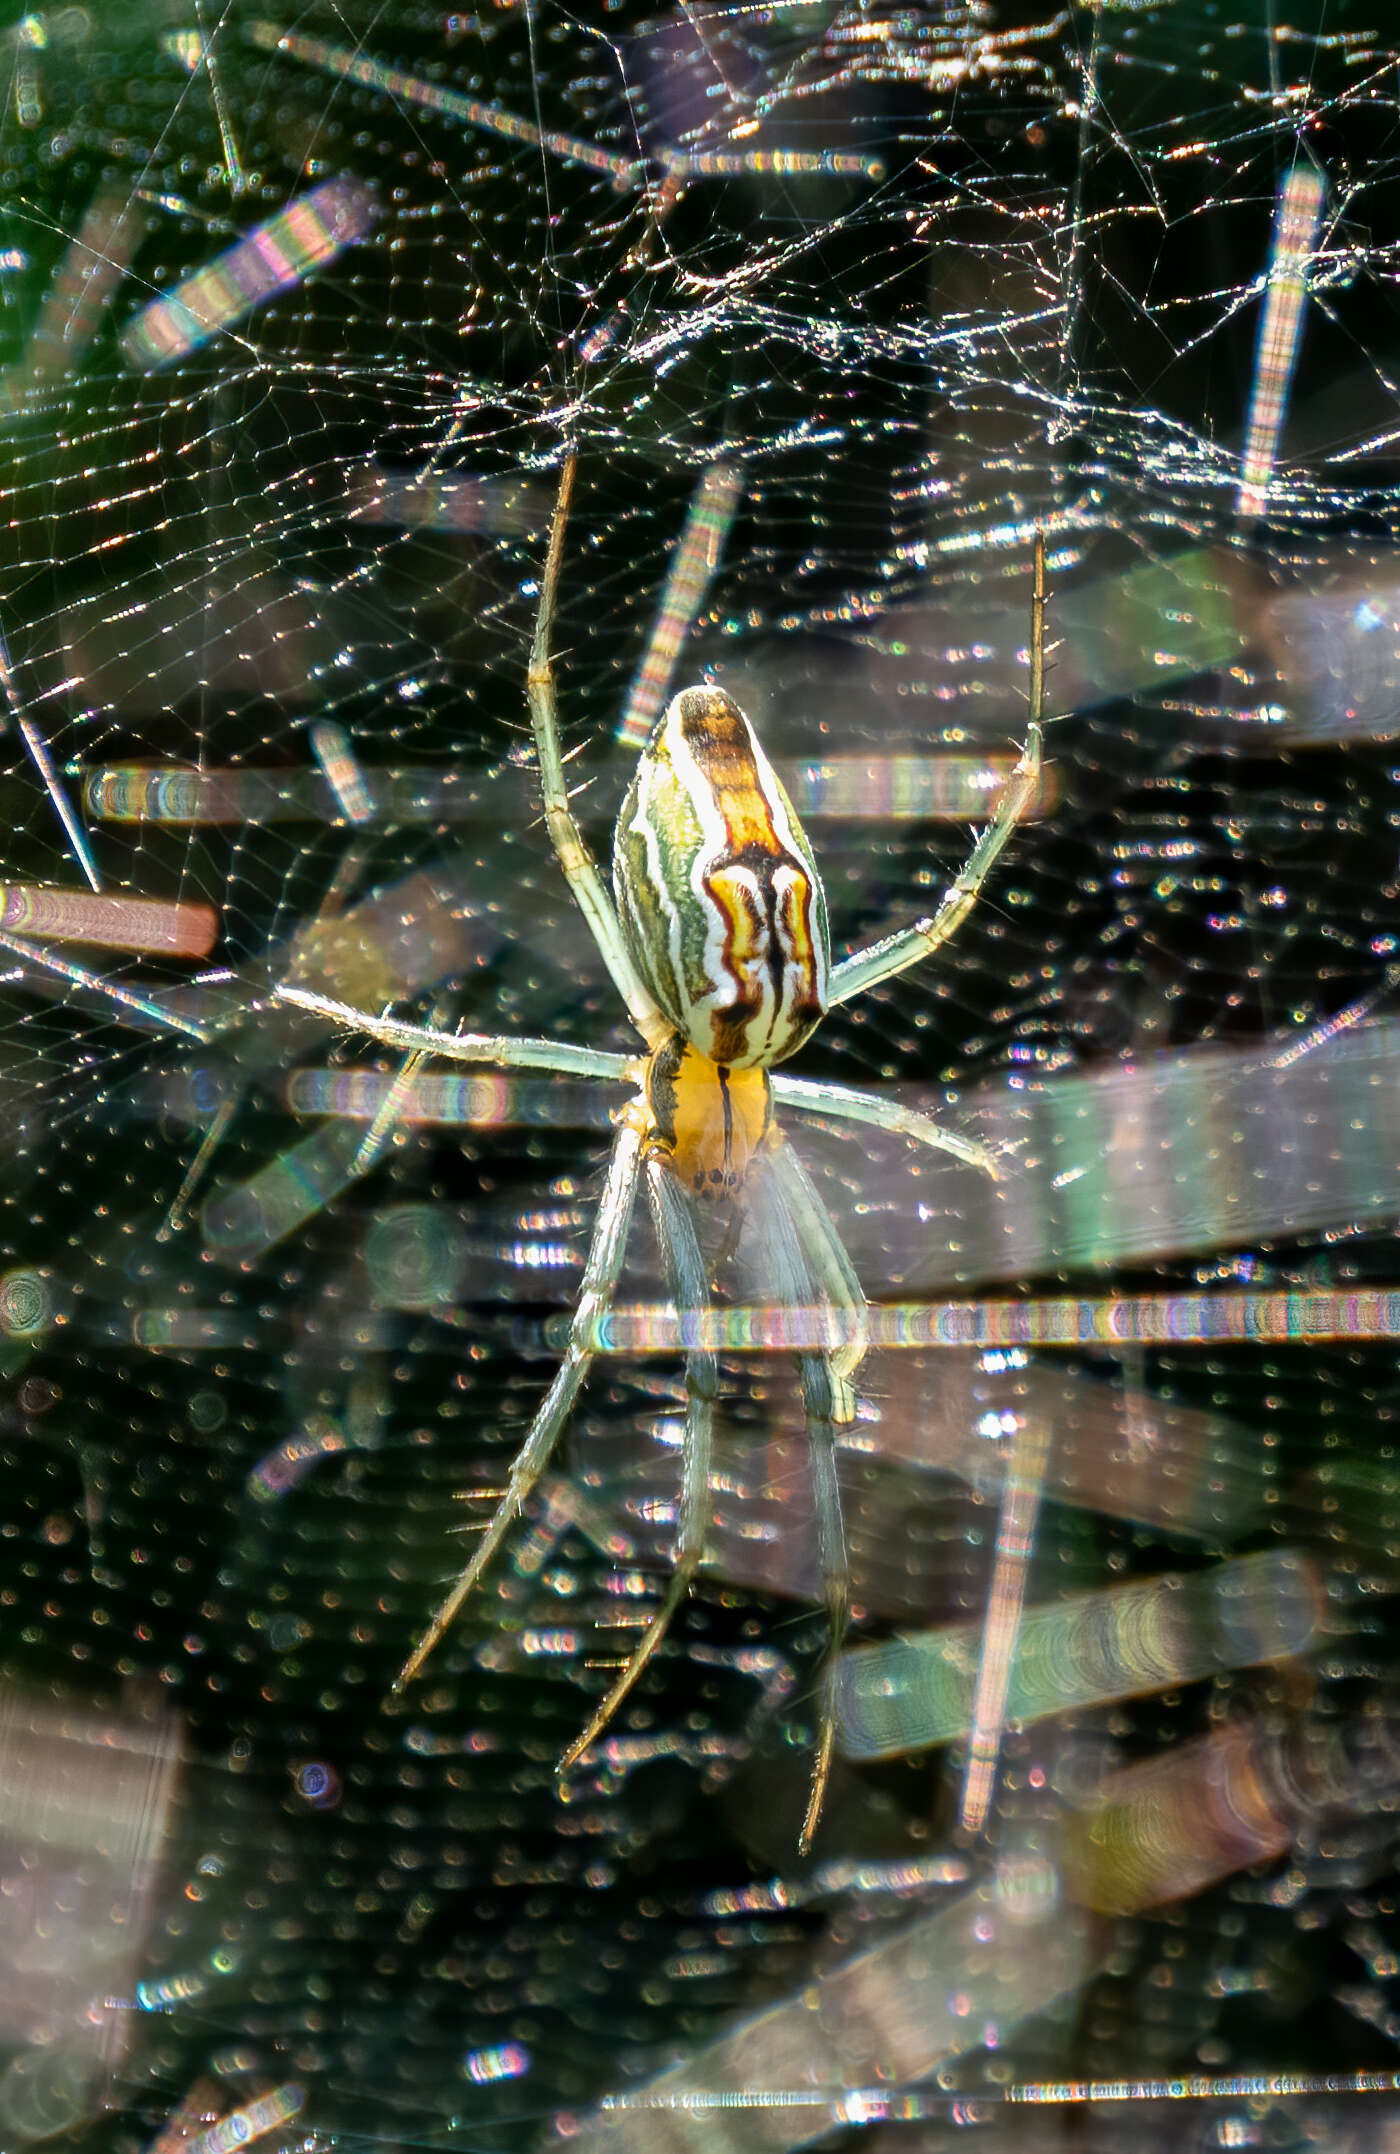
<point x="591" y="893"/>
<point x="895" y="953"/>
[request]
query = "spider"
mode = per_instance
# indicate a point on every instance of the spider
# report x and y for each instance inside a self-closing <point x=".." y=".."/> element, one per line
<point x="715" y="936"/>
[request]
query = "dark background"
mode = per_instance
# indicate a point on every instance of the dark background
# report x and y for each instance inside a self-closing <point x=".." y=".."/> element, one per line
<point x="1045" y="311"/>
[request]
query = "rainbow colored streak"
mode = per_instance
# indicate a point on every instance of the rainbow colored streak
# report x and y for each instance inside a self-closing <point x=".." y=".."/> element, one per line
<point x="944" y="787"/>
<point x="697" y="552"/>
<point x="123" y="998"/>
<point x="1106" y="1320"/>
<point x="436" y="97"/>
<point x="763" y="164"/>
<point x="915" y="1691"/>
<point x="340" y="767"/>
<point x="243" y="1222"/>
<point x="889" y="2015"/>
<point x="291" y="1460"/>
<point x="1178" y="1823"/>
<point x="1020" y="1507"/>
<point x="1296" y="221"/>
<point x="285" y="251"/>
<point x="937" y="787"/>
<point x="79" y="294"/>
<point x="1201" y="2087"/>
<point x="490" y="1100"/>
<point x="241" y="2126"/>
<point x="444" y="501"/>
<point x="169" y="927"/>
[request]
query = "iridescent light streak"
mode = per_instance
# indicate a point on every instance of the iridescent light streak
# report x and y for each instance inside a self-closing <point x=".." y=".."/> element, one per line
<point x="437" y="97"/>
<point x="123" y="997"/>
<point x="1020" y="1507"/>
<point x="186" y="46"/>
<point x="900" y="1878"/>
<point x="504" y="2060"/>
<point x="693" y="563"/>
<point x="233" y="164"/>
<point x="30" y="40"/>
<point x="39" y="756"/>
<point x="1201" y="2087"/>
<point x="437" y="1096"/>
<point x="293" y="1458"/>
<point x="169" y="927"/>
<point x="1108" y="1320"/>
<point x="340" y="767"/>
<point x="187" y="1329"/>
<point x="1177" y="1824"/>
<point x="763" y="164"/>
<point x="283" y="252"/>
<point x="936" y="787"/>
<point x="1296" y="220"/>
<point x="78" y="296"/>
<point x="209" y="1144"/>
<point x="966" y="2109"/>
<point x="890" y="2014"/>
<point x="246" y="1220"/>
<point x="388" y="1113"/>
<point x="242" y="2126"/>
<point x="443" y="501"/>
<point x="1318" y="1035"/>
<point x="949" y="787"/>
<point x="912" y="1692"/>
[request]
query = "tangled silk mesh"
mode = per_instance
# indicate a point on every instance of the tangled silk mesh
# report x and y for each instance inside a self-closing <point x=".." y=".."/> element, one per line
<point x="838" y="306"/>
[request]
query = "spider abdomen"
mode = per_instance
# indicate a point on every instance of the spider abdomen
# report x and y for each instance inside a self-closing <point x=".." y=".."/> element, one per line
<point x="717" y="889"/>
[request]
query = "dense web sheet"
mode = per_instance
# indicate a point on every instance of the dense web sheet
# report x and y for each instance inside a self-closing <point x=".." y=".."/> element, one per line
<point x="838" y="307"/>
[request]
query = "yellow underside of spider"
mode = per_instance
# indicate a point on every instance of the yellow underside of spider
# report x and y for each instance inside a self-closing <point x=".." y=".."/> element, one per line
<point x="709" y="1120"/>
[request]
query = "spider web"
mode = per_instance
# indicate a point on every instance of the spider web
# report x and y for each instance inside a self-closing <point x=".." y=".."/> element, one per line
<point x="837" y="306"/>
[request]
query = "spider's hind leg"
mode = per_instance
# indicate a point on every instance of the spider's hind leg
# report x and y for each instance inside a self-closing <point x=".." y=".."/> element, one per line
<point x="684" y="1265"/>
<point x="600" y="1276"/>
<point x="803" y="1260"/>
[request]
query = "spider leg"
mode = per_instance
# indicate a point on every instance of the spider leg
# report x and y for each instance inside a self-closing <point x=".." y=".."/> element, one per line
<point x="842" y="1105"/>
<point x="792" y="1264"/>
<point x="832" y="1269"/>
<point x="685" y="1272"/>
<point x="581" y="870"/>
<point x="897" y="952"/>
<point x="600" y="1275"/>
<point x="500" y="1048"/>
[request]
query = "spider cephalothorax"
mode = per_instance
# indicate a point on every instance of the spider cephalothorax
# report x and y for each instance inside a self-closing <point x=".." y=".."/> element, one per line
<point x="718" y="945"/>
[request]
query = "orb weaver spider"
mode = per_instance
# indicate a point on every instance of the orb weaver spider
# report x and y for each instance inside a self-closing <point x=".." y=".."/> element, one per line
<point x="716" y="939"/>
